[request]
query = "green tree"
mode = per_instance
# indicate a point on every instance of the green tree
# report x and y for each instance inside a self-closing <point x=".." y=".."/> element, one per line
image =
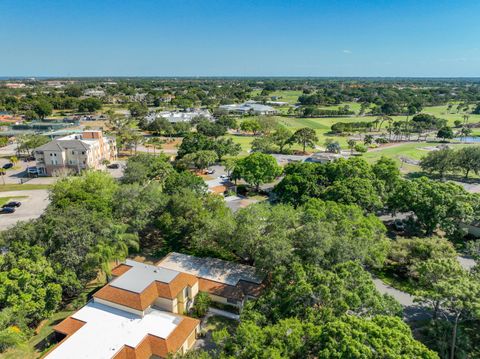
<point x="201" y="304"/>
<point x="225" y="146"/>
<point x="436" y="205"/>
<point x="42" y="108"/>
<point x="194" y="142"/>
<point x="143" y="168"/>
<point x="445" y="133"/>
<point x="440" y="161"/>
<point x="89" y="104"/>
<point x="27" y="143"/>
<point x="351" y="144"/>
<point x="250" y="126"/>
<point x="468" y="159"/>
<point x="451" y="291"/>
<point x="211" y="129"/>
<point x="199" y="160"/>
<point x="257" y="168"/>
<point x="306" y="137"/>
<point x="93" y="190"/>
<point x="137" y="110"/>
<point x="281" y="137"/>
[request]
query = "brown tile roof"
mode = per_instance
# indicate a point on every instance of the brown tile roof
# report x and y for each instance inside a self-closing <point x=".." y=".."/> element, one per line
<point x="249" y="288"/>
<point x="153" y="345"/>
<point x="120" y="269"/>
<point x="68" y="326"/>
<point x="141" y="301"/>
<point x="220" y="289"/>
<point x="237" y="292"/>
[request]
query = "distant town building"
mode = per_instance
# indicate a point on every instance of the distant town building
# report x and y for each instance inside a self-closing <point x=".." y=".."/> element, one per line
<point x="15" y="85"/>
<point x="249" y="108"/>
<point x="75" y="152"/>
<point x="94" y="93"/>
<point x="324" y="157"/>
<point x="177" y="116"/>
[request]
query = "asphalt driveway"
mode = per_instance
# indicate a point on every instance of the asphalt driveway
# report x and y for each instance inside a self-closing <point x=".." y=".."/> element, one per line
<point x="32" y="207"/>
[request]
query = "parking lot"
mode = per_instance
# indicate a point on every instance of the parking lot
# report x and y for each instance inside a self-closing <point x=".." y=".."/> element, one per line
<point x="32" y="206"/>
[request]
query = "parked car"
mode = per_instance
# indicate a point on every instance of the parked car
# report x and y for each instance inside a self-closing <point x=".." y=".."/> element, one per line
<point x="6" y="166"/>
<point x="113" y="166"/>
<point x="225" y="177"/>
<point x="12" y="204"/>
<point x="33" y="171"/>
<point x="210" y="172"/>
<point x="7" y="209"/>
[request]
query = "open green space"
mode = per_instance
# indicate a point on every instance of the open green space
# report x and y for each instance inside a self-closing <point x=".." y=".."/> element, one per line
<point x="4" y="200"/>
<point x="23" y="187"/>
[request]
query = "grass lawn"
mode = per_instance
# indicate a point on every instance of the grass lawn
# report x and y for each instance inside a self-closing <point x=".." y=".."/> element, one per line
<point x="43" y="341"/>
<point x="216" y="322"/>
<point x="23" y="187"/>
<point x="290" y="96"/>
<point x="4" y="200"/>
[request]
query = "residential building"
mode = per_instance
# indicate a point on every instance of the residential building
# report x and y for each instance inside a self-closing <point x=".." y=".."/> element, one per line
<point x="136" y="315"/>
<point x="75" y="152"/>
<point x="249" y="108"/>
<point x="225" y="282"/>
<point x="139" y="313"/>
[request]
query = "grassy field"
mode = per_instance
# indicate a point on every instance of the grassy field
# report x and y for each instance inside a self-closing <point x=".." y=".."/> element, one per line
<point x="411" y="150"/>
<point x="4" y="200"/>
<point x="23" y="187"/>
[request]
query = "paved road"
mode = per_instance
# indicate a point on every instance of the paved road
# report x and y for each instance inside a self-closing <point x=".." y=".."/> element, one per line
<point x="32" y="207"/>
<point x="411" y="310"/>
<point x="8" y="150"/>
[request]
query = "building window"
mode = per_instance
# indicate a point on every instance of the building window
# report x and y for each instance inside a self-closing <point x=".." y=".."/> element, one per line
<point x="83" y="152"/>
<point x="73" y="152"/>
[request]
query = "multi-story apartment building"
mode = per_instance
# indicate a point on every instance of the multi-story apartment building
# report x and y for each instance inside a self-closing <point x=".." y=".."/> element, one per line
<point x="76" y="152"/>
<point x="139" y="314"/>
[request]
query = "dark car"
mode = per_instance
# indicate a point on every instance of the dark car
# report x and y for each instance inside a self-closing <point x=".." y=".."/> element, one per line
<point x="113" y="166"/>
<point x="7" y="209"/>
<point x="6" y="166"/>
<point x="12" y="204"/>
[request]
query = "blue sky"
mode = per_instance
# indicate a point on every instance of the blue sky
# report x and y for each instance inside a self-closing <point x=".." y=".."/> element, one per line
<point x="240" y="38"/>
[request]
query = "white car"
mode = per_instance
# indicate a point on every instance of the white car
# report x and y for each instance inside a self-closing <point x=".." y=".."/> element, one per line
<point x="225" y="177"/>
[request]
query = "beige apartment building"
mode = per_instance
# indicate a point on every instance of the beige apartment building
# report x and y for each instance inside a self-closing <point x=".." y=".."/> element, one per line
<point x="76" y="152"/>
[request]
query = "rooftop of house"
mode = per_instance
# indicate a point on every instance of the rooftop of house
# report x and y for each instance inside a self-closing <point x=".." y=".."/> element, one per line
<point x="248" y="106"/>
<point x="138" y="285"/>
<point x="211" y="268"/>
<point x="106" y="331"/>
<point x="141" y="275"/>
<point x="77" y="141"/>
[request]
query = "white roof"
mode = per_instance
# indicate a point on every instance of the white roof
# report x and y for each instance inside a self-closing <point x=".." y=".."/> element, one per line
<point x="141" y="275"/>
<point x="211" y="268"/>
<point x="108" y="329"/>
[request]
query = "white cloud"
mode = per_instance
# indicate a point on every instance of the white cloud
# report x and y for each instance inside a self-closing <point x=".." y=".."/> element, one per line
<point x="347" y="51"/>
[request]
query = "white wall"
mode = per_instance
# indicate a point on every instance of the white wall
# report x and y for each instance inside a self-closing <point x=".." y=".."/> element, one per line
<point x="118" y="306"/>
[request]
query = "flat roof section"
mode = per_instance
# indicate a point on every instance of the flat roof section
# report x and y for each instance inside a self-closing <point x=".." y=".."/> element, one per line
<point x="211" y="268"/>
<point x="107" y="330"/>
<point x="141" y="275"/>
